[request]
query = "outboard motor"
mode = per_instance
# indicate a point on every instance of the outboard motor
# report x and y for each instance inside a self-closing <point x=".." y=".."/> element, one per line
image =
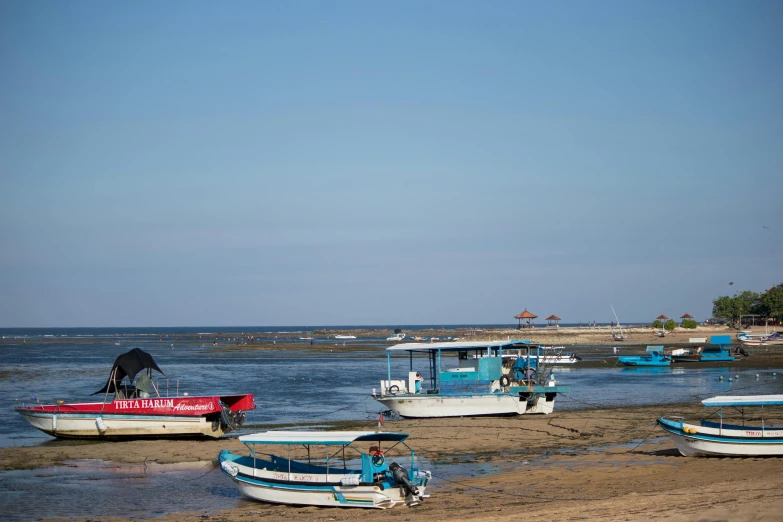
<point x="231" y="420"/>
<point x="400" y="475"/>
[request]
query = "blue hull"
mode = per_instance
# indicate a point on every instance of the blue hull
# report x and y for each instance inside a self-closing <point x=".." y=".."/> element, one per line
<point x="644" y="361"/>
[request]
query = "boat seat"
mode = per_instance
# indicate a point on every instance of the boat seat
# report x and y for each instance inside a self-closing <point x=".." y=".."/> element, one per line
<point x="143" y="386"/>
<point x="125" y="392"/>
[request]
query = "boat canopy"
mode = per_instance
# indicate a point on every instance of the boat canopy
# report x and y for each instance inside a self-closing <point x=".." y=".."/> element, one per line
<point x="456" y="345"/>
<point x="327" y="438"/>
<point x="744" y="400"/>
<point x="128" y="364"/>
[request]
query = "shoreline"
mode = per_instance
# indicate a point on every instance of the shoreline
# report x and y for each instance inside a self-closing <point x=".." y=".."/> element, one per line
<point x="550" y="336"/>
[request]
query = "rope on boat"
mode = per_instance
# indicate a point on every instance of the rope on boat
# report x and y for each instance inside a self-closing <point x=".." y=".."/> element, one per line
<point x="341" y="409"/>
<point x="213" y="468"/>
<point x="582" y="402"/>
<point x="655" y="425"/>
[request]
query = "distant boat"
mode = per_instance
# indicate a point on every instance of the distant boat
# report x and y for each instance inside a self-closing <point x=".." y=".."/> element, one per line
<point x="618" y="335"/>
<point x="656" y="358"/>
<point x="720" y="351"/>
<point x="396" y="337"/>
<point x="549" y="355"/>
<point x="342" y="337"/>
<point x="758" y="339"/>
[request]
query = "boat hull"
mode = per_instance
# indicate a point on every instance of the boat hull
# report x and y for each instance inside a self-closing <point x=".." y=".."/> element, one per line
<point x="161" y="417"/>
<point x="111" y="426"/>
<point x="435" y="405"/>
<point x="706" y="441"/>
<point x="541" y="405"/>
<point x="324" y="496"/>
<point x="643" y="361"/>
<point x="313" y="488"/>
<point x="686" y="358"/>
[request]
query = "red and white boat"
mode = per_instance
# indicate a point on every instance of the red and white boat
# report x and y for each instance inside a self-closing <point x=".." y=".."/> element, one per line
<point x="138" y="410"/>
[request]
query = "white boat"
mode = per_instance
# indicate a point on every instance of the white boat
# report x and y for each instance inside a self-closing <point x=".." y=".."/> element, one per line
<point x="749" y="339"/>
<point x="716" y="438"/>
<point x="480" y="385"/>
<point x="618" y="335"/>
<point x="344" y="337"/>
<point x="396" y="337"/>
<point x="139" y="409"/>
<point x="552" y="355"/>
<point x="339" y="469"/>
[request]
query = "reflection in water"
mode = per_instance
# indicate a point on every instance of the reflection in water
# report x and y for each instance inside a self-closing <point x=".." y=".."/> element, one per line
<point x="83" y="488"/>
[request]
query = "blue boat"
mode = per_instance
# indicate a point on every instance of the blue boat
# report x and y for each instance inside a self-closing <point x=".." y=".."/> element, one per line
<point x="333" y="468"/>
<point x="720" y="349"/>
<point x="656" y="358"/>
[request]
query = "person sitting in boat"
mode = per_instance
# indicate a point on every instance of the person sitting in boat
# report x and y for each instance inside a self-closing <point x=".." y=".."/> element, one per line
<point x="419" y="380"/>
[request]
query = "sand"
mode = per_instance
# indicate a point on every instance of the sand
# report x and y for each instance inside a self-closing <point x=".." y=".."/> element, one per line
<point x="604" y="464"/>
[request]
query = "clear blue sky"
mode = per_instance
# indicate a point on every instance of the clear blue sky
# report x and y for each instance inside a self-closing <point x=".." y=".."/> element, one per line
<point x="310" y="163"/>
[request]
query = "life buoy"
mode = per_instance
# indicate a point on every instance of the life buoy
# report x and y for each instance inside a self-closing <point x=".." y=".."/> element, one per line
<point x="504" y="381"/>
<point x="377" y="460"/>
<point x="394" y="389"/>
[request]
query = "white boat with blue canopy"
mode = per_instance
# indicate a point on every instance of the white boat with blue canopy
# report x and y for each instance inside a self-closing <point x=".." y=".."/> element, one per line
<point x="735" y="438"/>
<point x="349" y="470"/>
<point x="482" y="383"/>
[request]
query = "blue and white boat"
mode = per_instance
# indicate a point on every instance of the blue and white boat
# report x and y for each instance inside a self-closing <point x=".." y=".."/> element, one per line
<point x="749" y="339"/>
<point x="656" y="357"/>
<point x="336" y="468"/>
<point x="719" y="349"/>
<point x="711" y="438"/>
<point x="481" y="381"/>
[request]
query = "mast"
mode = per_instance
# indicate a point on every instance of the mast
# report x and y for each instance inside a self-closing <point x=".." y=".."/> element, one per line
<point x="616" y="319"/>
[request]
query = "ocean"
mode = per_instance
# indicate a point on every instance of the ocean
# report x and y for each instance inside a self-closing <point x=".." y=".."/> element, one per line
<point x="293" y="386"/>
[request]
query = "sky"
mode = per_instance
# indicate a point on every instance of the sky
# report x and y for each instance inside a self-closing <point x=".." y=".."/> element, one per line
<point x="364" y="163"/>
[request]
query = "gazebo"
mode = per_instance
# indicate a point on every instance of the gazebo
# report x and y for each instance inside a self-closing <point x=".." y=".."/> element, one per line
<point x="525" y="315"/>
<point x="662" y="318"/>
<point x="686" y="315"/>
<point x="553" y="318"/>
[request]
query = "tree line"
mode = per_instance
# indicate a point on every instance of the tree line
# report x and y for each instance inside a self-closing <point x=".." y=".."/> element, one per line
<point x="768" y="304"/>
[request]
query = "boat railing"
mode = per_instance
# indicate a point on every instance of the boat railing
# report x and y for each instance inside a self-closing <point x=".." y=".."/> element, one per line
<point x="157" y="386"/>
